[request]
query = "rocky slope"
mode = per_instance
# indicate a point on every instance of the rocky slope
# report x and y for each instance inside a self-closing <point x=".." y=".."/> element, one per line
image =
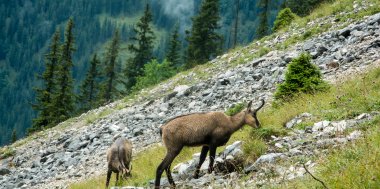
<point x="76" y="149"/>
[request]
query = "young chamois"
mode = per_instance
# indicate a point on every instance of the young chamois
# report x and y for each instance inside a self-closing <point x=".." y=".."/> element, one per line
<point x="119" y="157"/>
<point x="209" y="130"/>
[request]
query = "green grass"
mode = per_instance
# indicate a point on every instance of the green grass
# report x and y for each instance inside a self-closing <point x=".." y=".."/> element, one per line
<point x="6" y="152"/>
<point x="354" y="166"/>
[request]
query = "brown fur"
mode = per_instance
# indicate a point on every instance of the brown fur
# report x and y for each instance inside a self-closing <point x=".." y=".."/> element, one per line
<point x="119" y="157"/>
<point x="209" y="130"/>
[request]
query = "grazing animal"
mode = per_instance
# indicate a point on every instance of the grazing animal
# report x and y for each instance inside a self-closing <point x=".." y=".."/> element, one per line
<point x="209" y="130"/>
<point x="119" y="157"/>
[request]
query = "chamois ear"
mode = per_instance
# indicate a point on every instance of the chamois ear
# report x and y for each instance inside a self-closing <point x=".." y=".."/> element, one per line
<point x="249" y="106"/>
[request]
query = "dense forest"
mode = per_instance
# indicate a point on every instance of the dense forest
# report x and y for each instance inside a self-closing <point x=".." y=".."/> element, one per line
<point x="28" y="27"/>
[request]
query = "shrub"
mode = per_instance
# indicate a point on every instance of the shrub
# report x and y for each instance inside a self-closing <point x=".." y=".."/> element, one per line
<point x="284" y="18"/>
<point x="301" y="77"/>
<point x="154" y="72"/>
<point x="235" y="109"/>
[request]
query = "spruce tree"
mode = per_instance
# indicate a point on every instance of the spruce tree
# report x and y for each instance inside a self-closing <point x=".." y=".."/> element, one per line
<point x="89" y="88"/>
<point x="237" y="5"/>
<point x="173" y="55"/>
<point x="142" y="47"/>
<point x="204" y="41"/>
<point x="63" y="100"/>
<point x="108" y="86"/>
<point x="301" y="77"/>
<point x="44" y="95"/>
<point x="14" y="136"/>
<point x="263" y="29"/>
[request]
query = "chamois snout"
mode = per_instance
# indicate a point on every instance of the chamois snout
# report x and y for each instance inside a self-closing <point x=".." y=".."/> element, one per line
<point x="251" y="116"/>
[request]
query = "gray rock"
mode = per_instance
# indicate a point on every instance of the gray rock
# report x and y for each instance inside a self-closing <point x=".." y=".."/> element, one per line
<point x="320" y="125"/>
<point x="4" y="171"/>
<point x="345" y="32"/>
<point x="170" y="96"/>
<point x="257" y="62"/>
<point x="77" y="145"/>
<point x="182" y="90"/>
<point x="354" y="135"/>
<point x="269" y="158"/>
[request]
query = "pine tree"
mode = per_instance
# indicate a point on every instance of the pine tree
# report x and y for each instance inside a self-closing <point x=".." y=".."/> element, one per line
<point x="263" y="28"/>
<point x="204" y="41"/>
<point x="44" y="95"/>
<point x="173" y="55"/>
<point x="14" y="135"/>
<point x="63" y="100"/>
<point x="108" y="86"/>
<point x="301" y="77"/>
<point x="89" y="88"/>
<point x="237" y="5"/>
<point x="142" y="47"/>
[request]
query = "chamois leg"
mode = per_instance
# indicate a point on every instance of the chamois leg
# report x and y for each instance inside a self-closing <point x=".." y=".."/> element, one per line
<point x="201" y="160"/>
<point x="117" y="178"/>
<point x="170" y="178"/>
<point x="170" y="155"/>
<point x="109" y="172"/>
<point x="212" y="158"/>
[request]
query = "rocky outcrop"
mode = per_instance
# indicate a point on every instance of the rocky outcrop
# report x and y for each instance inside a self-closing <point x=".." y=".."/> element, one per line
<point x="66" y="154"/>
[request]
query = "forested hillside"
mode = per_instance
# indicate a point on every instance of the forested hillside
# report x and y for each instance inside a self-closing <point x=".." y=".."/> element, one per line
<point x="28" y="25"/>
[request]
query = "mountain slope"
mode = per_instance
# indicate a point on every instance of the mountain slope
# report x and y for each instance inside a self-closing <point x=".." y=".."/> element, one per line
<point x="75" y="150"/>
<point x="29" y="25"/>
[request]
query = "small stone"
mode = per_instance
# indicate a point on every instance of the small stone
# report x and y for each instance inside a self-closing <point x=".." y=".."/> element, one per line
<point x="354" y="135"/>
<point x="363" y="116"/>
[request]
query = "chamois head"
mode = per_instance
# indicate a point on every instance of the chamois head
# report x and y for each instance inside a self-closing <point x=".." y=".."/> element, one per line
<point x="251" y="115"/>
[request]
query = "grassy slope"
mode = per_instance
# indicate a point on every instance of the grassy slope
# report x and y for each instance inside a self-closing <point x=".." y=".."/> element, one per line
<point x="343" y="101"/>
<point x="325" y="106"/>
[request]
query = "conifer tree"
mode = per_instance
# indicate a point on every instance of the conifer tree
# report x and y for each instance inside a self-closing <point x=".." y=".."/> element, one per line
<point x="204" y="41"/>
<point x="44" y="95"/>
<point x="89" y="88"/>
<point x="173" y="55"/>
<point x="142" y="47"/>
<point x="63" y="100"/>
<point x="237" y="5"/>
<point x="263" y="29"/>
<point x="108" y="87"/>
<point x="14" y="135"/>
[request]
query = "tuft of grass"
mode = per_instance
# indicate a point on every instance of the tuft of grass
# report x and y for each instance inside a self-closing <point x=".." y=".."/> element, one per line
<point x="91" y="118"/>
<point x="6" y="152"/>
<point x="266" y="132"/>
<point x="254" y="148"/>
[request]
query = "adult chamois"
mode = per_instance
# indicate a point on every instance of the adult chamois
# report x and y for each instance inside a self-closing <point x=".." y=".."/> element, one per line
<point x="209" y="130"/>
<point x="119" y="157"/>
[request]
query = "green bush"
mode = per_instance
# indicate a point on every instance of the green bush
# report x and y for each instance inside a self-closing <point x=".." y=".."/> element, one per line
<point x="154" y="72"/>
<point x="235" y="109"/>
<point x="301" y="77"/>
<point x="284" y="18"/>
